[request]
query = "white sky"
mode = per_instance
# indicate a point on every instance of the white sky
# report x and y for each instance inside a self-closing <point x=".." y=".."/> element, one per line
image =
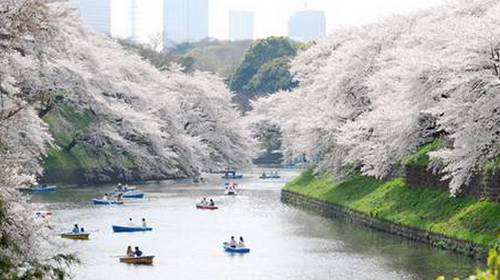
<point x="270" y="16"/>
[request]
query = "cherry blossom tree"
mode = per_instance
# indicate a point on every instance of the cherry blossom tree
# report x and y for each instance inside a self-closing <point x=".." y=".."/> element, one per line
<point x="170" y="123"/>
<point x="372" y="95"/>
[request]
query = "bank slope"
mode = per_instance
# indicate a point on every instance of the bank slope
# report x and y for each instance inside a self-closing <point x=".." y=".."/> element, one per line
<point x="429" y="209"/>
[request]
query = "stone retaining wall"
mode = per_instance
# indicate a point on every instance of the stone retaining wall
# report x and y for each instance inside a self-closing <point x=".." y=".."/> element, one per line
<point x="331" y="210"/>
<point x="480" y="186"/>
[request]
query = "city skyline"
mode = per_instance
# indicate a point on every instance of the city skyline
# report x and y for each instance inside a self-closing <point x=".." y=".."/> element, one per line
<point x="270" y="18"/>
<point x="184" y="21"/>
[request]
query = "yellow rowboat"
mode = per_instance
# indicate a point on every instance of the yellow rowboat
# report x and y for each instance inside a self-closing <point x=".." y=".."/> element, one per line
<point x="137" y="260"/>
<point x="76" y="236"/>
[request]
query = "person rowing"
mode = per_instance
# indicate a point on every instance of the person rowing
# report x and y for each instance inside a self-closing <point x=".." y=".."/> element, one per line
<point x="76" y="229"/>
<point x="204" y="201"/>
<point x="241" y="243"/>
<point x="212" y="203"/>
<point x="232" y="242"/>
<point x="105" y="197"/>
<point x="144" y="222"/>
<point x="137" y="252"/>
<point x="130" y="252"/>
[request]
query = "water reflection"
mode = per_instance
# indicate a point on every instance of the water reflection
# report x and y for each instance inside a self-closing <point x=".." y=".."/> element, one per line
<point x="286" y="243"/>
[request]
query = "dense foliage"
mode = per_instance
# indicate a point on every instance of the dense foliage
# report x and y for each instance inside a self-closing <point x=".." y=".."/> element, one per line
<point x="371" y="96"/>
<point x="264" y="69"/>
<point x="166" y="123"/>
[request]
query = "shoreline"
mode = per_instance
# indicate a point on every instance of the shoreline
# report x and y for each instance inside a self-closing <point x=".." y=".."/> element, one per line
<point x="336" y="211"/>
<point x="426" y="214"/>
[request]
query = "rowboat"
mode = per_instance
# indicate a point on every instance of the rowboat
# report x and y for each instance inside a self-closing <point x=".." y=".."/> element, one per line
<point x="270" y="177"/>
<point x="234" y="176"/>
<point x="124" y="188"/>
<point x="130" y="229"/>
<point x="43" y="188"/>
<point x="231" y="192"/>
<point x="231" y="175"/>
<point x="133" y="195"/>
<point x="76" y="236"/>
<point x="106" y="202"/>
<point x="43" y="214"/>
<point x="205" y="206"/>
<point x="138" y="260"/>
<point x="238" y="250"/>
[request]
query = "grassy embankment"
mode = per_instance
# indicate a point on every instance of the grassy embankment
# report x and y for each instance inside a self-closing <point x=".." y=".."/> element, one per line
<point x="429" y="209"/>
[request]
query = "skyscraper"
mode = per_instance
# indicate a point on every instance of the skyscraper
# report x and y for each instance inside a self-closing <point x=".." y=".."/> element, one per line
<point x="307" y="25"/>
<point x="240" y="25"/>
<point x="95" y="13"/>
<point x="133" y="20"/>
<point x="184" y="21"/>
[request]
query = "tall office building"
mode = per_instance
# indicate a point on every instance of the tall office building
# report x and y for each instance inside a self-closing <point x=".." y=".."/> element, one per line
<point x="133" y="20"/>
<point x="307" y="25"/>
<point x="95" y="13"/>
<point x="184" y="21"/>
<point x="240" y="25"/>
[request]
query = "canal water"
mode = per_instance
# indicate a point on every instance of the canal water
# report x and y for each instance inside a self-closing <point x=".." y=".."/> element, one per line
<point x="285" y="243"/>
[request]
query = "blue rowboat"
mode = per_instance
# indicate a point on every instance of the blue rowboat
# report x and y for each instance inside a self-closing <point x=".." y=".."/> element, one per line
<point x="133" y="195"/>
<point x="231" y="175"/>
<point x="240" y="250"/>
<point x="106" y="202"/>
<point x="43" y="188"/>
<point x="130" y="229"/>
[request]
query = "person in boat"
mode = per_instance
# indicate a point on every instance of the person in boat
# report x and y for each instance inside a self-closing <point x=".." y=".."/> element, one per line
<point x="119" y="196"/>
<point x="130" y="252"/>
<point x="232" y="242"/>
<point x="119" y="187"/>
<point x="212" y="203"/>
<point x="76" y="229"/>
<point x="241" y="243"/>
<point x="105" y="197"/>
<point x="204" y="201"/>
<point x="144" y="222"/>
<point x="82" y="230"/>
<point x="130" y="222"/>
<point x="264" y="174"/>
<point x="137" y="252"/>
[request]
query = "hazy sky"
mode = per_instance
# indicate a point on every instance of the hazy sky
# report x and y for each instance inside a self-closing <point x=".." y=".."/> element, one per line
<point x="270" y="16"/>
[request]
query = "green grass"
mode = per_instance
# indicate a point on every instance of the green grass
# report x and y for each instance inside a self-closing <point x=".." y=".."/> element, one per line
<point x="425" y="208"/>
<point x="421" y="157"/>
